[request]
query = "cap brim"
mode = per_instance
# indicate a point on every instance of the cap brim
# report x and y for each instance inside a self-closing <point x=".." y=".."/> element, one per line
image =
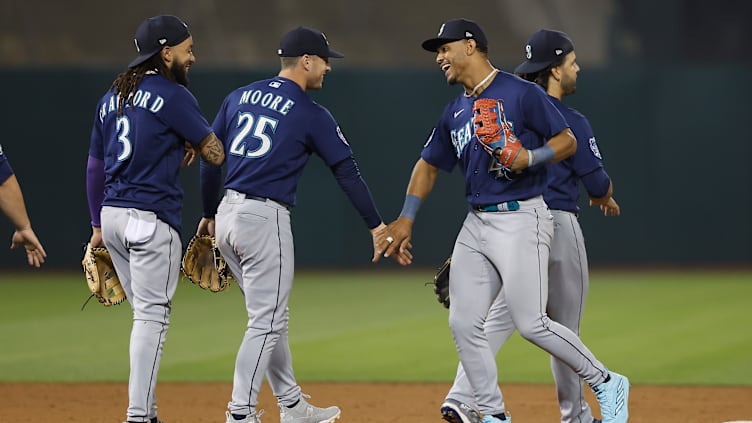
<point x="527" y="68"/>
<point x="141" y="58"/>
<point x="433" y="44"/>
<point x="335" y="54"/>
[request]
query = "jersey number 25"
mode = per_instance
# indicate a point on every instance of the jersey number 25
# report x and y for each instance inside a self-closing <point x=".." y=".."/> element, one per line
<point x="256" y="129"/>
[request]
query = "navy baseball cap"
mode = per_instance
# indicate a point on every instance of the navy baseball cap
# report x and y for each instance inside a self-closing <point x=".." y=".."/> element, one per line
<point x="302" y="40"/>
<point x="544" y="48"/>
<point x="454" y="30"/>
<point x="157" y="32"/>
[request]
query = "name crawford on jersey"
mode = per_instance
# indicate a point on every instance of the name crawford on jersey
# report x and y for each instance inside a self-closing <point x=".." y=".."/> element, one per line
<point x="143" y="99"/>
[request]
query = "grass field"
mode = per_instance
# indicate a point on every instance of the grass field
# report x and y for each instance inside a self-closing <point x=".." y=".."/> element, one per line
<point x="658" y="327"/>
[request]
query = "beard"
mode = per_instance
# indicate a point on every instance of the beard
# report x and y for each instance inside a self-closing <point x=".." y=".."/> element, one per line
<point x="568" y="86"/>
<point x="180" y="74"/>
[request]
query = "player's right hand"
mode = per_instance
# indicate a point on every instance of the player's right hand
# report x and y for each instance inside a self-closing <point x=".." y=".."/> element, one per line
<point x="380" y="237"/>
<point x="609" y="207"/>
<point x="96" y="237"/>
<point x="190" y="155"/>
<point x="206" y="226"/>
<point x="400" y="232"/>
<point x="35" y="253"/>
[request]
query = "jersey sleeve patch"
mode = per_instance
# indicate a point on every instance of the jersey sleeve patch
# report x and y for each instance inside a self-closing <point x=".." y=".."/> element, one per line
<point x="594" y="148"/>
<point x="342" y="136"/>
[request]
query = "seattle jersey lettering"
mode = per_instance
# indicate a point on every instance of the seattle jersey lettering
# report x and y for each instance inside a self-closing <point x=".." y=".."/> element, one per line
<point x="461" y="136"/>
<point x="141" y="98"/>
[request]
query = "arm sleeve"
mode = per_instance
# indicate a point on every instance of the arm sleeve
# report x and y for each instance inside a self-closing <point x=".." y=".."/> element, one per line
<point x="596" y="182"/>
<point x="95" y="189"/>
<point x="349" y="179"/>
<point x="211" y="184"/>
<point x="210" y="175"/>
<point x="5" y="170"/>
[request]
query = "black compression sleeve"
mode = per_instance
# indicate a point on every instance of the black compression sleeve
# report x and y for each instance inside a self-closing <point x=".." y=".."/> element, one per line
<point x="596" y="182"/>
<point x="349" y="179"/>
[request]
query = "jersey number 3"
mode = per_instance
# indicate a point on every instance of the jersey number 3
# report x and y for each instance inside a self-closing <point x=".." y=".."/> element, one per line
<point x="123" y="129"/>
<point x="257" y="128"/>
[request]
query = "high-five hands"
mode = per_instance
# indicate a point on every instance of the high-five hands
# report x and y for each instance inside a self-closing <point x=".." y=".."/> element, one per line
<point x="394" y="241"/>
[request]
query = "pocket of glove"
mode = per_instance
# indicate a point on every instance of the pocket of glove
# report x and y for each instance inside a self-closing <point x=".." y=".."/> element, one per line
<point x="141" y="226"/>
<point x="203" y="264"/>
<point x="101" y="277"/>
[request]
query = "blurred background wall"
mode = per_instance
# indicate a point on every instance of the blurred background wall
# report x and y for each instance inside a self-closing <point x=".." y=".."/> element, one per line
<point x="664" y="85"/>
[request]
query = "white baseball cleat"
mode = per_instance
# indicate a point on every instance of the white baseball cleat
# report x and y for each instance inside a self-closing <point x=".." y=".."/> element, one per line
<point x="303" y="412"/>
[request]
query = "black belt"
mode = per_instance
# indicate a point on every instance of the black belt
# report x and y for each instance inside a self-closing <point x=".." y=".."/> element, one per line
<point x="265" y="199"/>
<point x="501" y="207"/>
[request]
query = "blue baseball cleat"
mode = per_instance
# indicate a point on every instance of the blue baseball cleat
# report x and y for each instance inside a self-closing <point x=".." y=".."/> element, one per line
<point x="613" y="397"/>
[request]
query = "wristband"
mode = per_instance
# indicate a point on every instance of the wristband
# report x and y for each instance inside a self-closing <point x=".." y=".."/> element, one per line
<point x="411" y="206"/>
<point x="541" y="155"/>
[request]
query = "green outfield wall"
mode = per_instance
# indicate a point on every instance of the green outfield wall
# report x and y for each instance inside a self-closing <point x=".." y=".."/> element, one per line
<point x="675" y="141"/>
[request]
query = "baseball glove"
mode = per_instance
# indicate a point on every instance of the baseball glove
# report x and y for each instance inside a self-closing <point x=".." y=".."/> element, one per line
<point x="441" y="283"/>
<point x="494" y="132"/>
<point x="101" y="277"/>
<point x="204" y="265"/>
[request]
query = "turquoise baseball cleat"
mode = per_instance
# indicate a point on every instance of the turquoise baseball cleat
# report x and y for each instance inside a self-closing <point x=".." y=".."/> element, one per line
<point x="613" y="397"/>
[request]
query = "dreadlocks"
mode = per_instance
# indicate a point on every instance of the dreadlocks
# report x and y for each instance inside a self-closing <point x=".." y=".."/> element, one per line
<point x="126" y="84"/>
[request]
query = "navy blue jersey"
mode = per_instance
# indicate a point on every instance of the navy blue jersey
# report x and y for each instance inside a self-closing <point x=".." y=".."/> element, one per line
<point x="533" y="119"/>
<point x="5" y="170"/>
<point x="142" y="149"/>
<point x="269" y="129"/>
<point x="563" y="177"/>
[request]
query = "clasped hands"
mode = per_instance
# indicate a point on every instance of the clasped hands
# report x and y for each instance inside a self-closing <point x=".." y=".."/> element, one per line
<point x="393" y="240"/>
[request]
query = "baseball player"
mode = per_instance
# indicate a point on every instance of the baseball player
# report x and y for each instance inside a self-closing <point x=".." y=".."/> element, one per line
<point x="12" y="204"/>
<point x="506" y="236"/>
<point x="551" y="63"/>
<point x="270" y="129"/>
<point x="135" y="199"/>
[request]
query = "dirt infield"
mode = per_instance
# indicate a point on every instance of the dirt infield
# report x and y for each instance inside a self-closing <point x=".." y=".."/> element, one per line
<point x="360" y="402"/>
